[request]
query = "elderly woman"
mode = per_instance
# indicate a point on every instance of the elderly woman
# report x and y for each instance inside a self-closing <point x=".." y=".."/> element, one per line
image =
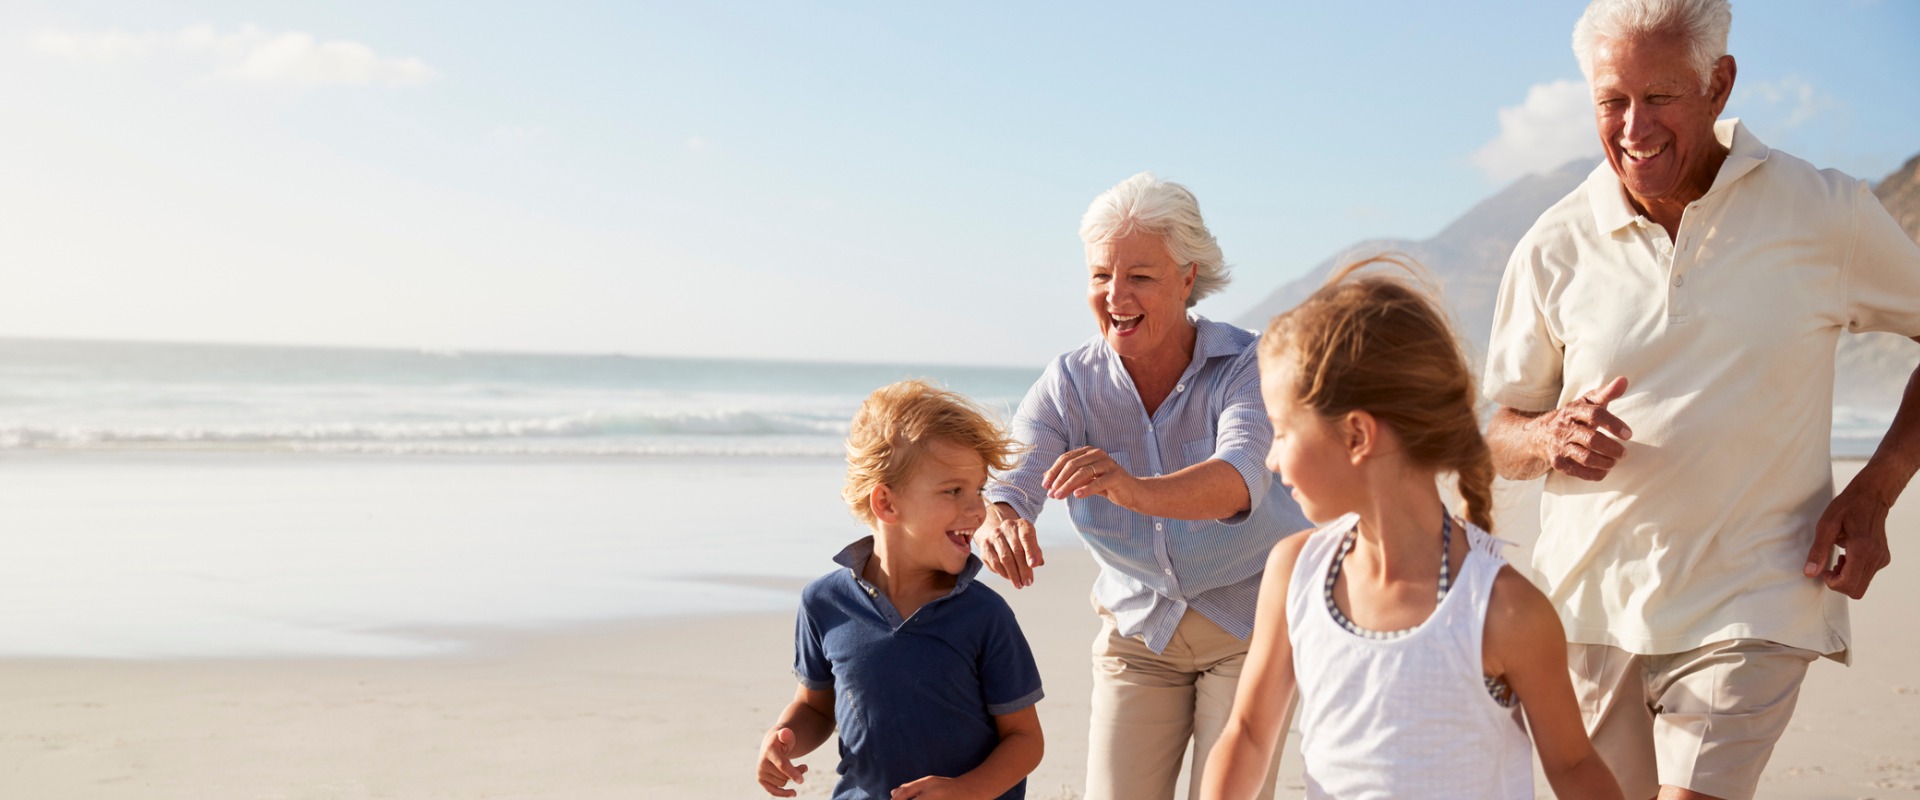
<point x="1154" y="434"/>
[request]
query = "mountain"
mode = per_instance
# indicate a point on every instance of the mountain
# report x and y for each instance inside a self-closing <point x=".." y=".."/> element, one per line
<point x="1469" y="255"/>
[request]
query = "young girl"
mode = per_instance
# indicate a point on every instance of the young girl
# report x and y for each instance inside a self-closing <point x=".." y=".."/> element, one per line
<point x="1413" y="645"/>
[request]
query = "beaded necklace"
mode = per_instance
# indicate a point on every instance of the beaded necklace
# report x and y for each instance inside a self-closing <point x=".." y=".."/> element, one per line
<point x="1497" y="688"/>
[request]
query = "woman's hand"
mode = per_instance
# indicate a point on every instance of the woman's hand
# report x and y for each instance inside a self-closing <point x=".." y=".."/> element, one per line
<point x="1009" y="546"/>
<point x="1089" y="471"/>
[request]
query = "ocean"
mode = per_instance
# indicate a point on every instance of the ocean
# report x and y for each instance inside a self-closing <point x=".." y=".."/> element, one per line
<point x="66" y="395"/>
<point x="190" y="501"/>
<point x="82" y="395"/>
<point x="196" y="501"/>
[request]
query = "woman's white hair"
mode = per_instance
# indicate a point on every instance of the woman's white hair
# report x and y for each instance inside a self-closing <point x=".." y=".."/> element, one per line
<point x="1167" y="210"/>
<point x="1702" y="23"/>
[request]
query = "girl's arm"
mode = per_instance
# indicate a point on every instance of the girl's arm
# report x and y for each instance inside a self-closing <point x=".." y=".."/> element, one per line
<point x="1018" y="753"/>
<point x="806" y="723"/>
<point x="1524" y="642"/>
<point x="1238" y="766"/>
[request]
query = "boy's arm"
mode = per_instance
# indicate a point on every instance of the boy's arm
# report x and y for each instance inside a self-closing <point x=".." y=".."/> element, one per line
<point x="1525" y="643"/>
<point x="1019" y="751"/>
<point x="806" y="723"/>
<point x="1239" y="762"/>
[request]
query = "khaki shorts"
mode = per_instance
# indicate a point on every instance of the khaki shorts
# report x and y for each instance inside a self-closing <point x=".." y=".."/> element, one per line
<point x="1704" y="720"/>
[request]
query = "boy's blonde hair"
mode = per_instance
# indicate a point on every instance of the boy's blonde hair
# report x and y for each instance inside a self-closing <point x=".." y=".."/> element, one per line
<point x="894" y="425"/>
<point x="1380" y="344"/>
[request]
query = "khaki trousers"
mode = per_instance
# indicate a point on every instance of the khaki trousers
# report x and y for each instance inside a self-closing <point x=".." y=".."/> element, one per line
<point x="1147" y="706"/>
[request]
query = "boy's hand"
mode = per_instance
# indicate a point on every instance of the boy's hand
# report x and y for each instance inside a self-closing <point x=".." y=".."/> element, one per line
<point x="930" y="788"/>
<point x="776" y="768"/>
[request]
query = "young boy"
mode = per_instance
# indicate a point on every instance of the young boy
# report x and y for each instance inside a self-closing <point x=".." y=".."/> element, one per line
<point x="924" y="670"/>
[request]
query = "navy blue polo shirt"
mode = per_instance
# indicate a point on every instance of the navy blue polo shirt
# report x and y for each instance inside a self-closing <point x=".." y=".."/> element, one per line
<point x="914" y="697"/>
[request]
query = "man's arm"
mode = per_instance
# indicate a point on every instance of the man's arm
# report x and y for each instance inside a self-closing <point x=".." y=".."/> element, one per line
<point x="1856" y="520"/>
<point x="1582" y="438"/>
<point x="1511" y="438"/>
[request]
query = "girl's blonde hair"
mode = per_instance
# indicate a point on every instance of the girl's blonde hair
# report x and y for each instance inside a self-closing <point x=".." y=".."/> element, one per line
<point x="1378" y="344"/>
<point x="893" y="427"/>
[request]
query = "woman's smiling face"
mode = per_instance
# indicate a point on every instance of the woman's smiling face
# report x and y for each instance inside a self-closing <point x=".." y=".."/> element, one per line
<point x="1138" y="294"/>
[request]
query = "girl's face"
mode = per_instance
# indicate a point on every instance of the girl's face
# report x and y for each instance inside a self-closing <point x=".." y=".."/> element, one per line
<point x="1310" y="454"/>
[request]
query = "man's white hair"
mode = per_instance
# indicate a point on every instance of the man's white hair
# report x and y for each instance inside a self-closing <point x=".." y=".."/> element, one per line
<point x="1167" y="210"/>
<point x="1702" y="24"/>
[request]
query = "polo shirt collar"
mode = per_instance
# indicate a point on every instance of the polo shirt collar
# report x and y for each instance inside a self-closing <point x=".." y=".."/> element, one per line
<point x="1745" y="153"/>
<point x="854" y="557"/>
<point x="1608" y="199"/>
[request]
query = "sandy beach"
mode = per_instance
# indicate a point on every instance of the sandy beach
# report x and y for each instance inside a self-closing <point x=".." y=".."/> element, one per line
<point x="674" y="708"/>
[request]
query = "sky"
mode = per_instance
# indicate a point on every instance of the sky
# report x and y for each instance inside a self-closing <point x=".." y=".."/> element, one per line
<point x="854" y="181"/>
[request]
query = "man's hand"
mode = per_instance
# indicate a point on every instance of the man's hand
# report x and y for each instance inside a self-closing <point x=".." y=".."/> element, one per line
<point x="776" y="768"/>
<point x="1856" y="522"/>
<point x="1574" y="439"/>
<point x="1009" y="546"/>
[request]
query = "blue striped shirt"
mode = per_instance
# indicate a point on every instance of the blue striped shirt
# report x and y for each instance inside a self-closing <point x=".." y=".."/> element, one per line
<point x="1153" y="568"/>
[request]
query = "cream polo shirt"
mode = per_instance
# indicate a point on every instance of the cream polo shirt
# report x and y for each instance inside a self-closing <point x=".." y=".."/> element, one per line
<point x="1726" y="336"/>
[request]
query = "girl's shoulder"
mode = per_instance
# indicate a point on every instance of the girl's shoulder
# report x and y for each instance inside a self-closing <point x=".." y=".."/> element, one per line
<point x="1517" y="610"/>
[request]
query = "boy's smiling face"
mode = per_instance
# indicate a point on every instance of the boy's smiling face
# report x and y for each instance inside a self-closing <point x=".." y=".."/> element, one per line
<point x="939" y="506"/>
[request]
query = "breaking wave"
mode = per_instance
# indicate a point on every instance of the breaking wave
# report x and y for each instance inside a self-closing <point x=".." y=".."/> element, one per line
<point x="653" y="433"/>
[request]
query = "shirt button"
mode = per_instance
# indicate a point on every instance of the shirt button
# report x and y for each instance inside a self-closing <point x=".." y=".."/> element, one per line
<point x="1168" y="571"/>
<point x="1680" y="281"/>
<point x="1158" y="526"/>
<point x="1179" y="387"/>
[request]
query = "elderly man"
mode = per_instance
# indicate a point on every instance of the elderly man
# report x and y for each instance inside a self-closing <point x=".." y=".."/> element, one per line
<point x="1663" y="351"/>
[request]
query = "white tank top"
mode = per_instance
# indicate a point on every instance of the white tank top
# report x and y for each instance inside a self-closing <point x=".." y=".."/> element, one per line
<point x="1407" y="716"/>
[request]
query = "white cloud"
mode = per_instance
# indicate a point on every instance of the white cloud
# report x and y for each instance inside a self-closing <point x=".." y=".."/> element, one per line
<point x="1553" y="126"/>
<point x="247" y="55"/>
